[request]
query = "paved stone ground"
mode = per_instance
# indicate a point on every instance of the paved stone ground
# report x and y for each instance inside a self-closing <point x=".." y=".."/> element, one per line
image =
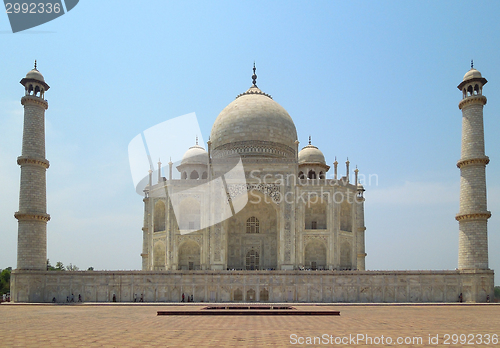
<point x="137" y="325"/>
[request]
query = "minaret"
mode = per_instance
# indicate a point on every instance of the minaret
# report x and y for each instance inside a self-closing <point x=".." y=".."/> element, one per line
<point x="32" y="215"/>
<point x="360" y="223"/>
<point x="473" y="214"/>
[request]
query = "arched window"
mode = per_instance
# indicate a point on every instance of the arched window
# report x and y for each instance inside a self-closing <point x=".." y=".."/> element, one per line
<point x="253" y="225"/>
<point x="194" y="175"/>
<point x="476" y="89"/>
<point x="469" y="90"/>
<point x="321" y="175"/>
<point x="301" y="175"/>
<point x="311" y="174"/>
<point x="252" y="260"/>
<point x="184" y="175"/>
<point x="205" y="175"/>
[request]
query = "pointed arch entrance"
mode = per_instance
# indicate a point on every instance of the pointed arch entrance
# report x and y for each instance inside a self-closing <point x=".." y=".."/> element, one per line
<point x="189" y="255"/>
<point x="252" y="260"/>
<point x="252" y="235"/>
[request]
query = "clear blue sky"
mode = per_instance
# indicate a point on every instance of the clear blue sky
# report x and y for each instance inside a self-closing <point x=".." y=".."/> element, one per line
<point x="372" y="81"/>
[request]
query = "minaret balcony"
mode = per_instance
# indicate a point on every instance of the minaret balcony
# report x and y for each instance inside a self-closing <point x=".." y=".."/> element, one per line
<point x="474" y="99"/>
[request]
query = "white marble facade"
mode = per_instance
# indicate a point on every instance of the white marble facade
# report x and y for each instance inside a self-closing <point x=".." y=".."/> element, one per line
<point x="281" y="213"/>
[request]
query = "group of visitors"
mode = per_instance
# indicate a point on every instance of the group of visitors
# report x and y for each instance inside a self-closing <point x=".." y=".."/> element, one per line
<point x="187" y="298"/>
<point x="69" y="299"/>
<point x="461" y="298"/>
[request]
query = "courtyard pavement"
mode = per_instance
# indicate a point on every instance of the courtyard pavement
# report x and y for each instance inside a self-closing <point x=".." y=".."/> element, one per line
<point x="137" y="325"/>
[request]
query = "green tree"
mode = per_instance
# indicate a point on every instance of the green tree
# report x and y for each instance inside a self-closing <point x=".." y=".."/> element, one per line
<point x="5" y="280"/>
<point x="49" y="266"/>
<point x="72" y="267"/>
<point x="60" y="266"/>
<point x="90" y="268"/>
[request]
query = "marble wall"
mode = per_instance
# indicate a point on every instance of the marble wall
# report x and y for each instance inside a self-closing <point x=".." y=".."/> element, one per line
<point x="247" y="286"/>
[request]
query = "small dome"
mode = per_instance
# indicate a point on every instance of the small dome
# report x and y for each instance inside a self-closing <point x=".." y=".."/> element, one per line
<point x="311" y="154"/>
<point x="195" y="155"/>
<point x="472" y="74"/>
<point x="35" y="75"/>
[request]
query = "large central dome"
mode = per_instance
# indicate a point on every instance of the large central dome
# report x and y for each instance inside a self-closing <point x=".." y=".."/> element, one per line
<point x="254" y="125"/>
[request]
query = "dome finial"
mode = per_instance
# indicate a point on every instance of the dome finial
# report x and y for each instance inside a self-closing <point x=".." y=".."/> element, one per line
<point x="254" y="77"/>
<point x="196" y="140"/>
<point x="472" y="63"/>
<point x="309" y="140"/>
<point x="35" y="64"/>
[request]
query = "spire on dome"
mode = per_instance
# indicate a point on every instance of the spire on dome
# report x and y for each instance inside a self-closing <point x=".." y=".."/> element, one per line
<point x="196" y="140"/>
<point x="35" y="65"/>
<point x="309" y="140"/>
<point x="472" y="63"/>
<point x="254" y="76"/>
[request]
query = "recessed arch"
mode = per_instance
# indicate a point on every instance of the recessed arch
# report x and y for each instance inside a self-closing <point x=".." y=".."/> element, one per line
<point x="159" y="216"/>
<point x="251" y="295"/>
<point x="345" y="216"/>
<point x="311" y="174"/>
<point x="476" y="89"/>
<point x="266" y="242"/>
<point x="189" y="214"/>
<point x="159" y="255"/>
<point x="315" y="213"/>
<point x="194" y="175"/>
<point x="315" y="255"/>
<point x="237" y="295"/>
<point x="264" y="295"/>
<point x="189" y="255"/>
<point x="345" y="255"/>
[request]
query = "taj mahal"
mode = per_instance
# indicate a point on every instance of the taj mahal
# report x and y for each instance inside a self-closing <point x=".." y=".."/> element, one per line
<point x="253" y="217"/>
<point x="319" y="226"/>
